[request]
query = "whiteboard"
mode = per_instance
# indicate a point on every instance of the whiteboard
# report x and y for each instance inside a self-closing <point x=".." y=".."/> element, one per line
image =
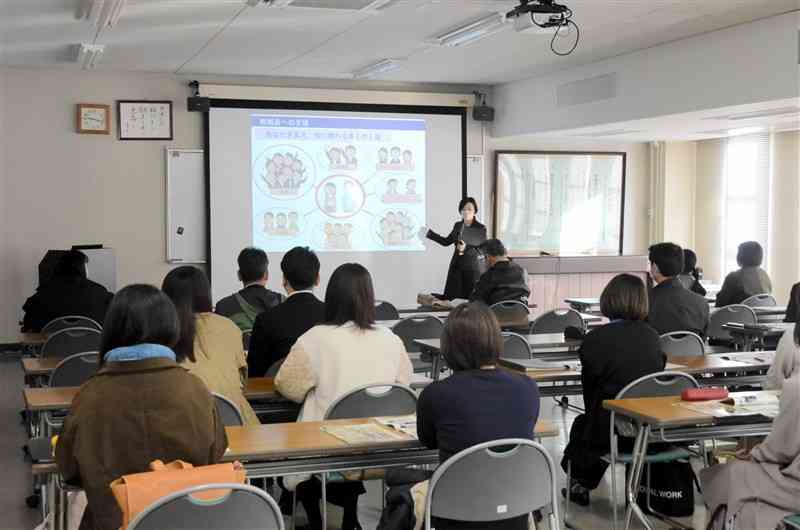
<point x="187" y="218"/>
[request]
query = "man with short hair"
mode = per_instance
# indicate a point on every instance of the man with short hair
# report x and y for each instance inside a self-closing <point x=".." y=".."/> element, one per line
<point x="673" y="307"/>
<point x="254" y="298"/>
<point x="504" y="280"/>
<point x="276" y="330"/>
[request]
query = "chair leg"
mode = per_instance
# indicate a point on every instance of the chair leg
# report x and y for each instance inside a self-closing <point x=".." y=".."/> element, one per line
<point x="568" y="501"/>
<point x="324" y="502"/>
<point x="294" y="509"/>
<point x="614" y="513"/>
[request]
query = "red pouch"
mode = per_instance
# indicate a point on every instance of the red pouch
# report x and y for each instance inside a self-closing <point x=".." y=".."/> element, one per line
<point x="704" y="394"/>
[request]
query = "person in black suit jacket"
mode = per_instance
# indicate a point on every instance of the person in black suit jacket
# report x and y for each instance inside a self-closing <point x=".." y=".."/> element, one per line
<point x="793" y="309"/>
<point x="67" y="293"/>
<point x="673" y="307"/>
<point x="612" y="356"/>
<point x="504" y="281"/>
<point x="467" y="235"/>
<point x="276" y="330"/>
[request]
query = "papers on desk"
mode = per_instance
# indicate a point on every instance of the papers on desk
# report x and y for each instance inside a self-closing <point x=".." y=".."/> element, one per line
<point x="764" y="403"/>
<point x="367" y="433"/>
<point x="405" y="424"/>
<point x="671" y="367"/>
<point x="759" y="357"/>
<point x="538" y="365"/>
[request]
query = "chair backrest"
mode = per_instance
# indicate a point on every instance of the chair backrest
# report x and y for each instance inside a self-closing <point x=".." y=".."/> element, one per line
<point x="659" y="384"/>
<point x="227" y="410"/>
<point x="385" y="311"/>
<point x="70" y="321"/>
<point x="737" y="313"/>
<point x="512" y="314"/>
<point x="239" y="507"/>
<point x="246" y="334"/>
<point x="515" y="346"/>
<point x="71" y="341"/>
<point x="493" y="481"/>
<point x="557" y="321"/>
<point x="75" y="369"/>
<point x="412" y="328"/>
<point x="272" y="371"/>
<point x="761" y="300"/>
<point x="373" y="400"/>
<point x="682" y="344"/>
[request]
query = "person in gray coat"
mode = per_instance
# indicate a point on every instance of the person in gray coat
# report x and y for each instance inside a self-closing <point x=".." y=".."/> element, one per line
<point x="749" y="280"/>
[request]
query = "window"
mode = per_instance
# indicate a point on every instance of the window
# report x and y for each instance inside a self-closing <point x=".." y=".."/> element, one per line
<point x="747" y="192"/>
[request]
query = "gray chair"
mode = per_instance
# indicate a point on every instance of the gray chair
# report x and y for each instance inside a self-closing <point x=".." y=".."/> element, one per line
<point x="515" y="346"/>
<point x="366" y="402"/>
<point x="71" y="321"/>
<point x="412" y="328"/>
<point x="737" y="313"/>
<point x="761" y="300"/>
<point x="386" y="311"/>
<point x="682" y="344"/>
<point x="654" y="385"/>
<point x="239" y="507"/>
<point x="494" y="481"/>
<point x="512" y="315"/>
<point x="557" y="320"/>
<point x="70" y="341"/>
<point x="272" y="371"/>
<point x="75" y="369"/>
<point x="227" y="410"/>
<point x="246" y="334"/>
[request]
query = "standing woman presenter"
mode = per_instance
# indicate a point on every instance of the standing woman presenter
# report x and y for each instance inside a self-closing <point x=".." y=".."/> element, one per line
<point x="467" y="236"/>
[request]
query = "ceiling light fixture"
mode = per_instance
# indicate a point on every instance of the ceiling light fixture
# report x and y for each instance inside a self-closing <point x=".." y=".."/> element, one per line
<point x="111" y="13"/>
<point x="102" y="13"/>
<point x="472" y="32"/>
<point x="769" y="113"/>
<point x="380" y="5"/>
<point x="90" y="10"/>
<point x="89" y="55"/>
<point x="269" y="3"/>
<point x="376" y="69"/>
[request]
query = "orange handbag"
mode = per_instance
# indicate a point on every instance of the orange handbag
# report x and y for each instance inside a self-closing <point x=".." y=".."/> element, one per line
<point x="136" y="492"/>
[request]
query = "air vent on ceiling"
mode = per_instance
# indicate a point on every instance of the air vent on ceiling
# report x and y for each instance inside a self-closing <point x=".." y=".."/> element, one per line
<point x="587" y="90"/>
<point x="783" y="111"/>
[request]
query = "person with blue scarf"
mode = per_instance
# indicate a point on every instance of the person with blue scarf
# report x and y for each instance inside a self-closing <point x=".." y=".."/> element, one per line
<point x="140" y="406"/>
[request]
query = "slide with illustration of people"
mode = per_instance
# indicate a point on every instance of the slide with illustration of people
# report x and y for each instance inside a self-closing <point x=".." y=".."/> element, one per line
<point x="338" y="183"/>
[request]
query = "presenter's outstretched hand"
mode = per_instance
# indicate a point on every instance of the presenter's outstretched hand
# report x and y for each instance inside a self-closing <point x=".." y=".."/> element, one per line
<point x="461" y="246"/>
<point x="423" y="233"/>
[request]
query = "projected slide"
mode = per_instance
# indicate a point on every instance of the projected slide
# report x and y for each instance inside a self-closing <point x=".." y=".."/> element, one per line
<point x="338" y="183"/>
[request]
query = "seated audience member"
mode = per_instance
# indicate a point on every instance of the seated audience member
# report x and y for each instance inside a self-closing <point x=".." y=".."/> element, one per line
<point x="672" y="306"/>
<point x="749" y="280"/>
<point x="211" y="345"/>
<point x="67" y="293"/>
<point x="612" y="356"/>
<point x="277" y="329"/>
<point x="243" y="307"/>
<point x="690" y="277"/>
<point x="504" y="280"/>
<point x="758" y="489"/>
<point x="787" y="359"/>
<point x="139" y="407"/>
<point x="346" y="352"/>
<point x="479" y="402"/>
<point x="793" y="309"/>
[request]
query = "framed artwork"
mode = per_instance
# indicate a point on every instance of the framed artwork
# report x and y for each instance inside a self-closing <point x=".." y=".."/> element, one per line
<point x="144" y="120"/>
<point x="92" y="118"/>
<point x="560" y="203"/>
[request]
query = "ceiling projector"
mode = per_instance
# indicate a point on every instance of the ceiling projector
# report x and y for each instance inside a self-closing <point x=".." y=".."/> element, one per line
<point x="539" y="16"/>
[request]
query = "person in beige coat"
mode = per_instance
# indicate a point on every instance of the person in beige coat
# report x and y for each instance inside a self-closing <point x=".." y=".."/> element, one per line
<point x="332" y="359"/>
<point x="210" y="344"/>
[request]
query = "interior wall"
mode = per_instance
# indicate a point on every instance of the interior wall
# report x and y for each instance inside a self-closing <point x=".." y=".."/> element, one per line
<point x="5" y="327"/>
<point x="679" y="192"/>
<point x="637" y="179"/>
<point x="785" y="243"/>
<point x="709" y="207"/>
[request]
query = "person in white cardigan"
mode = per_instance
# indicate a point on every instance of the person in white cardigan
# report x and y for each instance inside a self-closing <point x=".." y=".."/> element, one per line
<point x="332" y="359"/>
<point x="787" y="359"/>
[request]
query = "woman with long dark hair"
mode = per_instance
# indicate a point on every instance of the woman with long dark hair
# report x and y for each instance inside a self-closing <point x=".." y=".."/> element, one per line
<point x="139" y="407"/>
<point x="210" y="344"/>
<point x="467" y="235"/>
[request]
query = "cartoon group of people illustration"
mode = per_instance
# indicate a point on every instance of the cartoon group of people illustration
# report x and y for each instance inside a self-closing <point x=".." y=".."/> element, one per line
<point x="282" y="224"/>
<point x="342" y="157"/>
<point x="393" y="194"/>
<point x="395" y="159"/>
<point x="284" y="174"/>
<point x="338" y="236"/>
<point x="396" y="228"/>
<point x="335" y="202"/>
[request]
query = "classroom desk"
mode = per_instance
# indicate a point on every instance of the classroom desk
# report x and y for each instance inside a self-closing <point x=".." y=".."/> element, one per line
<point x="662" y="419"/>
<point x="749" y="337"/>
<point x="583" y="305"/>
<point x="591" y="320"/>
<point x="31" y="340"/>
<point x="770" y="314"/>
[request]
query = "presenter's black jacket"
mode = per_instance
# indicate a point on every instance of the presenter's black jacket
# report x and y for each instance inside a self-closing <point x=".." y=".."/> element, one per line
<point x="277" y="329"/>
<point x="793" y="309"/>
<point x="503" y="282"/>
<point x="65" y="296"/>
<point x="464" y="270"/>
<point x="673" y="307"/>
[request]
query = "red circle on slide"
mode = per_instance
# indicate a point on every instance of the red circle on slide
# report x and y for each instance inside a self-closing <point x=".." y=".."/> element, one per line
<point x="343" y="178"/>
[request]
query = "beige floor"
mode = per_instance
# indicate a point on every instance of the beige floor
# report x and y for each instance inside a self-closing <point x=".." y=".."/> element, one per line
<point x="15" y="481"/>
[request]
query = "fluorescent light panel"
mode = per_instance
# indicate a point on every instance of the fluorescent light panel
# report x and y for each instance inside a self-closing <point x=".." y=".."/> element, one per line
<point x="473" y="31"/>
<point x="102" y="13"/>
<point x="784" y="111"/>
<point x="89" y="55"/>
<point x="376" y="69"/>
<point x="380" y="5"/>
